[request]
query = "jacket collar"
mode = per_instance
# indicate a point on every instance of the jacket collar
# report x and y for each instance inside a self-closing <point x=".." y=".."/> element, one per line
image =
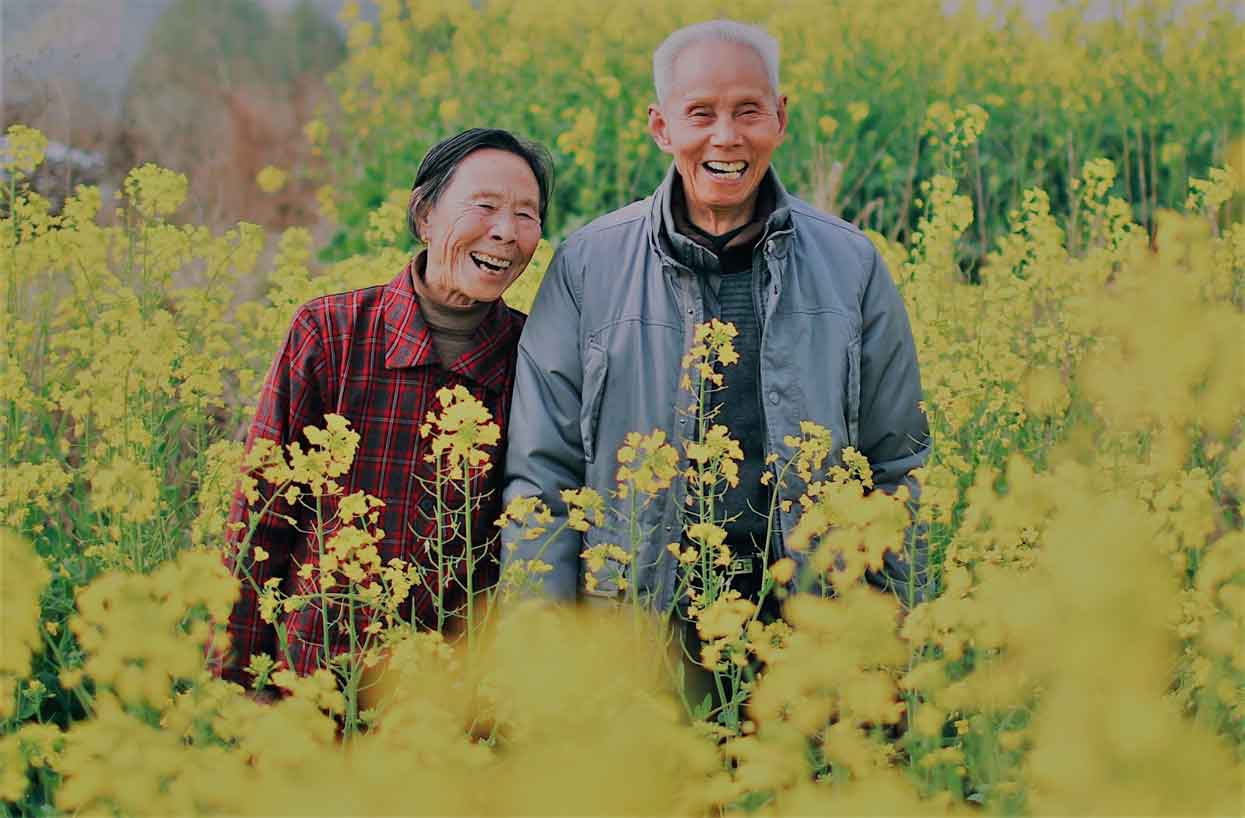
<point x="408" y="341"/>
<point x="682" y="252"/>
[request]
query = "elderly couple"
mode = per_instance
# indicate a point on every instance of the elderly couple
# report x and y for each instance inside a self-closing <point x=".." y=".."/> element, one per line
<point x="822" y="336"/>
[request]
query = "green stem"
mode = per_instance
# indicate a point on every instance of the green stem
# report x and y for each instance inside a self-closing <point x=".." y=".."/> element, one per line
<point x="440" y="546"/>
<point x="352" y="671"/>
<point x="471" y="562"/>
<point x="323" y="594"/>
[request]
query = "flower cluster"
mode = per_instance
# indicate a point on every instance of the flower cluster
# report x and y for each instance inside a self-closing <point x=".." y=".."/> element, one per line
<point x="646" y="462"/>
<point x="22" y="582"/>
<point x="462" y="433"/>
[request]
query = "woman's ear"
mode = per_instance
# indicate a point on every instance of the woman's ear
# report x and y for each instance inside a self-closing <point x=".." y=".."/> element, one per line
<point x="416" y="221"/>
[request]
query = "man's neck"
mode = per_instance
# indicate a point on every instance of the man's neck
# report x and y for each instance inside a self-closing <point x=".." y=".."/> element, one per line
<point x="759" y="207"/>
<point x="716" y="221"/>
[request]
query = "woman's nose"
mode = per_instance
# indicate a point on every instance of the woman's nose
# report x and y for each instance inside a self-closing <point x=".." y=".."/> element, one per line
<point x="503" y="227"/>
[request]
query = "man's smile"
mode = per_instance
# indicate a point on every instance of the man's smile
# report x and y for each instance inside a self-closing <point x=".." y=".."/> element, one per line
<point x="726" y="170"/>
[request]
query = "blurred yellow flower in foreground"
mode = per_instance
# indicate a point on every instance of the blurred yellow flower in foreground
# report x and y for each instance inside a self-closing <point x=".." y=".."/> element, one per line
<point x="271" y="179"/>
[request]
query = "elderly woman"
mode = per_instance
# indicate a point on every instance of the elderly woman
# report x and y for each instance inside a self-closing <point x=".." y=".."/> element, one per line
<point x="378" y="356"/>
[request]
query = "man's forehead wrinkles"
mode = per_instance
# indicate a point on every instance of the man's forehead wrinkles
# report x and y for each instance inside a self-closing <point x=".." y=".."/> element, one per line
<point x="705" y="95"/>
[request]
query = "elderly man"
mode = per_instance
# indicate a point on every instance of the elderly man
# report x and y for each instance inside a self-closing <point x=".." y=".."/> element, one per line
<point x="822" y="331"/>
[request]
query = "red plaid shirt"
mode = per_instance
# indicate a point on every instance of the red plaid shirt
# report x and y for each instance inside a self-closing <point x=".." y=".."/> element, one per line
<point x="367" y="355"/>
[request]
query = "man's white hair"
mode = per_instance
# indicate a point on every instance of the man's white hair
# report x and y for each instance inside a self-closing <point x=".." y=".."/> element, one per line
<point x="723" y="31"/>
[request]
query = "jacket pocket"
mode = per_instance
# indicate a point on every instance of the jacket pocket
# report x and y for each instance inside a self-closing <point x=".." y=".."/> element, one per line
<point x="852" y="404"/>
<point x="596" y="363"/>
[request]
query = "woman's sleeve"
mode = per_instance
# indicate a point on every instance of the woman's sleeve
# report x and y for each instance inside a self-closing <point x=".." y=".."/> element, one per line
<point x="291" y="399"/>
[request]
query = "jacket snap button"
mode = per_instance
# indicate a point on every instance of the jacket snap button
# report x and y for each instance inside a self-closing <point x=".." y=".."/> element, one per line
<point x="773" y="397"/>
<point x="769" y="247"/>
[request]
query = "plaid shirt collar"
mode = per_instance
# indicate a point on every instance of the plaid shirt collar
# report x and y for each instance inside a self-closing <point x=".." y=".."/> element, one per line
<point x="408" y="341"/>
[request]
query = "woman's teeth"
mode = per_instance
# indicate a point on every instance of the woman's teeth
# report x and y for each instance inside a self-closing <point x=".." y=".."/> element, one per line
<point x="731" y="170"/>
<point x="490" y="262"/>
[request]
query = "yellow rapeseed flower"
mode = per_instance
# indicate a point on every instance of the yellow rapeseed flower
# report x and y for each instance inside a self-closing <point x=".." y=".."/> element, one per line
<point x="154" y="191"/>
<point x="24" y="149"/>
<point x="22" y="582"/>
<point x="271" y="179"/>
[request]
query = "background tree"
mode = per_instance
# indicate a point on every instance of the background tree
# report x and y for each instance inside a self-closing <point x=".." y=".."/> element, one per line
<point x="223" y="89"/>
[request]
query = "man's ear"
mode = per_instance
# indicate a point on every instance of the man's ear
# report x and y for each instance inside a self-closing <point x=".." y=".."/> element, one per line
<point x="658" y="128"/>
<point x="782" y="116"/>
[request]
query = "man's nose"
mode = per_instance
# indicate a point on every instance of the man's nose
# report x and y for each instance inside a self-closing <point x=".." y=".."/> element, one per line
<point x="724" y="132"/>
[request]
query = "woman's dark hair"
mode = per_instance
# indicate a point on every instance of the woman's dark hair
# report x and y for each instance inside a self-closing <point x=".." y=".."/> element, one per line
<point x="444" y="157"/>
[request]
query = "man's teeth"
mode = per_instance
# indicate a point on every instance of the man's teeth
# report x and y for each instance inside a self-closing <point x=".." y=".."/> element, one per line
<point x="736" y="168"/>
<point x="490" y="261"/>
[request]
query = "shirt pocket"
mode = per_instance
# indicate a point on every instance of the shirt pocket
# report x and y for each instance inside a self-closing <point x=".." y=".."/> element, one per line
<point x="596" y="364"/>
<point x="852" y="398"/>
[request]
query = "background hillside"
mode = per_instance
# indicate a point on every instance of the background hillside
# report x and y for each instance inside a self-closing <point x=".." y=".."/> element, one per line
<point x="216" y="89"/>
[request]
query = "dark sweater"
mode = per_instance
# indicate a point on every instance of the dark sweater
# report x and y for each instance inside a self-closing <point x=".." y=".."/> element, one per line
<point x="730" y="297"/>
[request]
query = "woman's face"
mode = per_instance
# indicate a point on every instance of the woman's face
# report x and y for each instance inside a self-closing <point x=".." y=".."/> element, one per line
<point x="483" y="229"/>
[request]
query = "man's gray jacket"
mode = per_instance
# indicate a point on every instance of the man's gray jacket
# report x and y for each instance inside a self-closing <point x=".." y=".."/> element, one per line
<point x="600" y="357"/>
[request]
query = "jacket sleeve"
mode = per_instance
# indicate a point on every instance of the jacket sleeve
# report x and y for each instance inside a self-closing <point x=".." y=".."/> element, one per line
<point x="290" y="401"/>
<point x="894" y="432"/>
<point x="545" y="451"/>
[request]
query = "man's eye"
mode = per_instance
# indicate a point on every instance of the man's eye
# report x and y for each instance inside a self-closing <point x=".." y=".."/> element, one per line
<point x="526" y="215"/>
<point x="701" y="113"/>
<point x="486" y="206"/>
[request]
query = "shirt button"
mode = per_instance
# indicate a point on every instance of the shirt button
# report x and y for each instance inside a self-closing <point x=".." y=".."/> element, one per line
<point x="690" y="311"/>
<point x="682" y="421"/>
<point x="773" y="396"/>
<point x="669" y="527"/>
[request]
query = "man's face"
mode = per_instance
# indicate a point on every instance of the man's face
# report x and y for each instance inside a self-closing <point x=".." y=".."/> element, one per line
<point x="721" y="121"/>
<point x="483" y="229"/>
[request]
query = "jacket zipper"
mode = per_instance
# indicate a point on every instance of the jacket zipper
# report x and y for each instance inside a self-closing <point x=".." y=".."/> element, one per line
<point x="760" y="270"/>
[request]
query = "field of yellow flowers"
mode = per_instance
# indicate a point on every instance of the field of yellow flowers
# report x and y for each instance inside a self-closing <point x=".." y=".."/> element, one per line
<point x="1080" y="647"/>
<point x="1157" y="87"/>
